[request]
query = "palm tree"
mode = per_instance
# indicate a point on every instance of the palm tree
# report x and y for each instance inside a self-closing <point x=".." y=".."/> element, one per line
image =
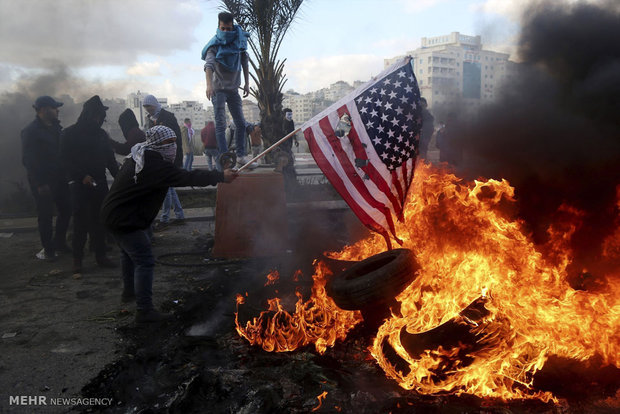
<point x="267" y="21"/>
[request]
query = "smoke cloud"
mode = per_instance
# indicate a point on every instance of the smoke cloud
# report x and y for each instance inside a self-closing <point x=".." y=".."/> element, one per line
<point x="89" y="33"/>
<point x="555" y="132"/>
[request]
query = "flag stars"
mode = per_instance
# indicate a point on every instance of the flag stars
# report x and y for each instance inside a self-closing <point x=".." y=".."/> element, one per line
<point x="392" y="101"/>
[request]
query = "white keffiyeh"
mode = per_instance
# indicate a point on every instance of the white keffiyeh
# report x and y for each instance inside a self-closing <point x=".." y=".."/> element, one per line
<point x="154" y="137"/>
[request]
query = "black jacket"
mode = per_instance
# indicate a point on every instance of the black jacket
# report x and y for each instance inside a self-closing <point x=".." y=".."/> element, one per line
<point x="41" y="153"/>
<point x="168" y="119"/>
<point x="85" y="148"/>
<point x="132" y="205"/>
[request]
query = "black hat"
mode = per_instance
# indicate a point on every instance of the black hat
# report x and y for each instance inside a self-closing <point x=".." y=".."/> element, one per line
<point x="43" y="101"/>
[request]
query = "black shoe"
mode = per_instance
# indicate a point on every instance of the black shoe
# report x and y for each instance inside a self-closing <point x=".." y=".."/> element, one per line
<point x="159" y="226"/>
<point x="105" y="262"/>
<point x="128" y="297"/>
<point x="77" y="266"/>
<point x="150" y="316"/>
<point x="64" y="249"/>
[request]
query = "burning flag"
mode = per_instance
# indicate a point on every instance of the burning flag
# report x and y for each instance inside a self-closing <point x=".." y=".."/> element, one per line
<point x="366" y="145"/>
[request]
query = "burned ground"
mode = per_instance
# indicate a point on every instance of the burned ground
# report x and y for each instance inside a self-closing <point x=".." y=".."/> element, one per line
<point x="74" y="338"/>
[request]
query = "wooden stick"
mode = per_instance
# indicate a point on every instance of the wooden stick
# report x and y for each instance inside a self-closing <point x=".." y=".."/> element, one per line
<point x="268" y="150"/>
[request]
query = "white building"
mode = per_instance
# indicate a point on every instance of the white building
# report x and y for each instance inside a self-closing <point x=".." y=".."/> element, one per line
<point x="455" y="68"/>
<point x="301" y="105"/>
<point x="192" y="110"/>
<point x="251" y="113"/>
<point x="337" y="90"/>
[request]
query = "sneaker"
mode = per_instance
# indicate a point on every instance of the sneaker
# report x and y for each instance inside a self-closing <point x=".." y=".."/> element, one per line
<point x="43" y="255"/>
<point x="160" y="225"/>
<point x="150" y="316"/>
<point x="105" y="262"/>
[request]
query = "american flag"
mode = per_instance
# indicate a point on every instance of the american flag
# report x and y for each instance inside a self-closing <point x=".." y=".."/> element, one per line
<point x="366" y="145"/>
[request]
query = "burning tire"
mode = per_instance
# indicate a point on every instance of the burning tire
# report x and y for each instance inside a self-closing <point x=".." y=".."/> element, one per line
<point x="375" y="280"/>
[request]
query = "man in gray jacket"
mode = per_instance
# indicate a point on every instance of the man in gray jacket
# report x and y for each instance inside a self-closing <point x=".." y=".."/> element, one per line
<point x="225" y="56"/>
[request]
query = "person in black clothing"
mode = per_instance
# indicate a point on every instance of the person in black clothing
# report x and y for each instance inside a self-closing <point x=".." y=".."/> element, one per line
<point x="285" y="160"/>
<point x="159" y="116"/>
<point x="131" y="131"/>
<point x="132" y="205"/>
<point x="86" y="154"/>
<point x="428" y="127"/>
<point x="41" y="157"/>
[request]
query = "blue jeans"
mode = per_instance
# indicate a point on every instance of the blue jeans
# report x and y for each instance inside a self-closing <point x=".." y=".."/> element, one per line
<point x="189" y="160"/>
<point x="220" y="98"/>
<point x="212" y="154"/>
<point x="172" y="198"/>
<point x="137" y="264"/>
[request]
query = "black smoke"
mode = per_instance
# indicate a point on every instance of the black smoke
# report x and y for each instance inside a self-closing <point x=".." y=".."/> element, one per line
<point x="554" y="133"/>
<point x="16" y="112"/>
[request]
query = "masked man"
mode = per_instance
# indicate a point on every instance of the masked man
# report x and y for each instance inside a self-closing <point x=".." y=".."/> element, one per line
<point x="225" y="56"/>
<point x="133" y="202"/>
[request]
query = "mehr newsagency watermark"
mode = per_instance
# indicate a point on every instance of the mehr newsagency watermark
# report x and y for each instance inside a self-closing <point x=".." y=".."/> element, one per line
<point x="39" y="400"/>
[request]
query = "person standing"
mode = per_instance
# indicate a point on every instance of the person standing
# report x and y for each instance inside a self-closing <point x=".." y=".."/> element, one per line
<point x="288" y="126"/>
<point x="285" y="160"/>
<point x="225" y="57"/>
<point x="187" y="135"/>
<point x="159" y="116"/>
<point x="207" y="135"/>
<point x="131" y="131"/>
<point x="41" y="157"/>
<point x="256" y="138"/>
<point x="132" y="204"/>
<point x="449" y="143"/>
<point x="86" y="154"/>
<point x="428" y="127"/>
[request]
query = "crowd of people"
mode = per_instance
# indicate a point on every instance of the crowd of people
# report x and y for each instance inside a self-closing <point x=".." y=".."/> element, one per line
<point x="67" y="168"/>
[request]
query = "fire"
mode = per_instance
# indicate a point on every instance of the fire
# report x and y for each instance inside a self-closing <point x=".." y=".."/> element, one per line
<point x="272" y="278"/>
<point x="471" y="250"/>
<point x="316" y="321"/>
<point x="320" y="397"/>
<point x="468" y="246"/>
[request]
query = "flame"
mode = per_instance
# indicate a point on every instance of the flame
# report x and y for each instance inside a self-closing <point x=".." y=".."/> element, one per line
<point x="320" y="397"/>
<point x="468" y="246"/>
<point x="471" y="249"/>
<point x="272" y="278"/>
<point x="316" y="321"/>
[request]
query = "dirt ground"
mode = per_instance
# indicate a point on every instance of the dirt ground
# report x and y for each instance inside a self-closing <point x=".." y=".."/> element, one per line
<point x="59" y="332"/>
<point x="72" y="338"/>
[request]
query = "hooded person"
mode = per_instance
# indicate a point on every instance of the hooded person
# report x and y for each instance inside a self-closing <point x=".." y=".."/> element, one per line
<point x="86" y="153"/>
<point x="225" y="57"/>
<point x="131" y="131"/>
<point x="133" y="202"/>
<point x="159" y="116"/>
